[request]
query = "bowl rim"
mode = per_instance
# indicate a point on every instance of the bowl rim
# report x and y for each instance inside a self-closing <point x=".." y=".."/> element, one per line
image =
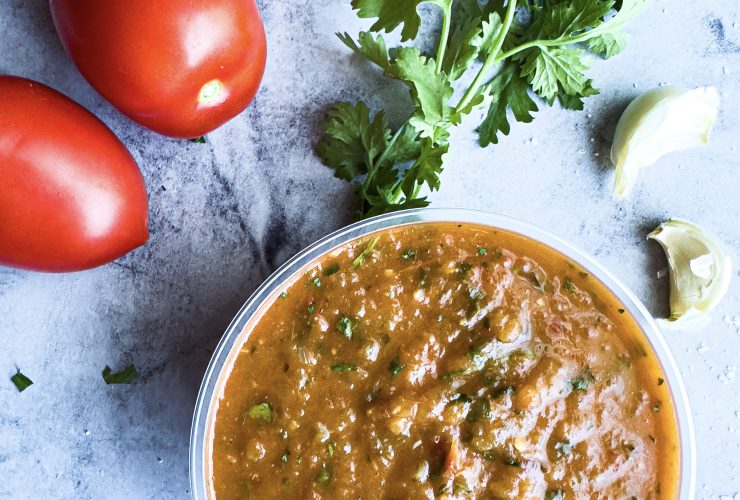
<point x="235" y="332"/>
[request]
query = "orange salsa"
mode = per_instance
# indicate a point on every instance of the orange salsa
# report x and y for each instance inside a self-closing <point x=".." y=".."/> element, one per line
<point x="440" y="360"/>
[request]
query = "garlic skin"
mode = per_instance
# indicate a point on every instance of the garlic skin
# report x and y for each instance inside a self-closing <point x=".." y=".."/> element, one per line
<point x="658" y="122"/>
<point x="700" y="272"/>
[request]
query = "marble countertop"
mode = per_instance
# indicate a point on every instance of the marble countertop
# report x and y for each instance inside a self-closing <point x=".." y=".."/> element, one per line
<point x="226" y="213"/>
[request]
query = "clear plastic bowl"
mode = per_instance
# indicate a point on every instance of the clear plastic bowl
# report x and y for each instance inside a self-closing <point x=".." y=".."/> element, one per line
<point x="211" y="388"/>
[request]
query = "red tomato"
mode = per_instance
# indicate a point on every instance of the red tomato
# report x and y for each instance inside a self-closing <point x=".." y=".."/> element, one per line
<point x="180" y="67"/>
<point x="71" y="195"/>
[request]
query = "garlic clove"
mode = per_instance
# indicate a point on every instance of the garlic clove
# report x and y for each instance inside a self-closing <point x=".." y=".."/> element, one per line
<point x="700" y="272"/>
<point x="658" y="122"/>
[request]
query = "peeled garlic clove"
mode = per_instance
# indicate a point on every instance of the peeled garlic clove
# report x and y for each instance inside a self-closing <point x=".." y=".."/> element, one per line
<point x="658" y="122"/>
<point x="700" y="272"/>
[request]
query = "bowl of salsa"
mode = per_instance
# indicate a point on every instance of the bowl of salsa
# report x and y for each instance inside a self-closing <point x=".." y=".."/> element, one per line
<point x="442" y="353"/>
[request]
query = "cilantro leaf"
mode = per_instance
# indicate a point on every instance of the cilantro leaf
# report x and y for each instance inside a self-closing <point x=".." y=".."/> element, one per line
<point x="565" y="19"/>
<point x="547" y="68"/>
<point x="510" y="91"/>
<point x="126" y="376"/>
<point x="352" y="138"/>
<point x="373" y="49"/>
<point x="391" y="14"/>
<point x="608" y="44"/>
<point x="575" y="102"/>
<point x="262" y="411"/>
<point x="426" y="169"/>
<point x="20" y="381"/>
<point x="431" y="91"/>
<point x="491" y="28"/>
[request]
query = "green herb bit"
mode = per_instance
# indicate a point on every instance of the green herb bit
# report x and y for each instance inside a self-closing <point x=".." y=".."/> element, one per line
<point x="125" y="376"/>
<point x="396" y="366"/>
<point x="513" y="463"/>
<point x="366" y="252"/>
<point x="332" y="269"/>
<point x="283" y="295"/>
<point x="463" y="269"/>
<point x="316" y="281"/>
<point x="661" y="381"/>
<point x="581" y="382"/>
<point x="583" y="274"/>
<point x="480" y="409"/>
<point x="656" y="408"/>
<point x="554" y="495"/>
<point x="345" y="326"/>
<point x="330" y="449"/>
<point x="199" y="140"/>
<point x="563" y="448"/>
<point x="489" y="455"/>
<point x="285" y="457"/>
<point x="568" y="286"/>
<point x="21" y="381"/>
<point x="262" y="411"/>
<point x="343" y="367"/>
<point x="509" y="389"/>
<point x="311" y="308"/>
<point x="482" y="251"/>
<point x="409" y="255"/>
<point x="324" y="476"/>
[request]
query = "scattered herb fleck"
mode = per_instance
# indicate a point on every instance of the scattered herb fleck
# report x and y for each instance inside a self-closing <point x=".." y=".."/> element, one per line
<point x="366" y="252"/>
<point x="262" y="411"/>
<point x="513" y="463"/>
<point x="581" y="382"/>
<point x="656" y="408"/>
<point x="509" y="389"/>
<point x="409" y="254"/>
<point x="568" y="286"/>
<point x="462" y="270"/>
<point x="125" y="376"/>
<point x="345" y="326"/>
<point x="311" y="308"/>
<point x="316" y="281"/>
<point x="283" y="295"/>
<point x="343" y="367"/>
<point x="330" y="449"/>
<point x="482" y="251"/>
<point x="395" y="367"/>
<point x="285" y="457"/>
<point x="563" y="448"/>
<point x="324" y="476"/>
<point x="332" y="269"/>
<point x="554" y="495"/>
<point x="21" y="381"/>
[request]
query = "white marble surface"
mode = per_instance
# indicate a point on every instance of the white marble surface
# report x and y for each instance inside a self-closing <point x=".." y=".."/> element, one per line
<point x="226" y="213"/>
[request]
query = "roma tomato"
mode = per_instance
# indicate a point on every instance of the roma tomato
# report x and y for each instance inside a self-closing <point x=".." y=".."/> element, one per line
<point x="71" y="195"/>
<point x="179" y="67"/>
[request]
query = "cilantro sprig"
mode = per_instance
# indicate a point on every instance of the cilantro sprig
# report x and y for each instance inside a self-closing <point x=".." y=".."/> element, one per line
<point x="529" y="49"/>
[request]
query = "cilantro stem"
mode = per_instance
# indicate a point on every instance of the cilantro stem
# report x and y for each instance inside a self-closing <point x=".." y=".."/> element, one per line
<point x="492" y="59"/>
<point x="617" y="21"/>
<point x="446" y="7"/>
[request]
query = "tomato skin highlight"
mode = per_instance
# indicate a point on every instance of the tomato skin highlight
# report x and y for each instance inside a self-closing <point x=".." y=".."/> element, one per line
<point x="180" y="68"/>
<point x="71" y="195"/>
